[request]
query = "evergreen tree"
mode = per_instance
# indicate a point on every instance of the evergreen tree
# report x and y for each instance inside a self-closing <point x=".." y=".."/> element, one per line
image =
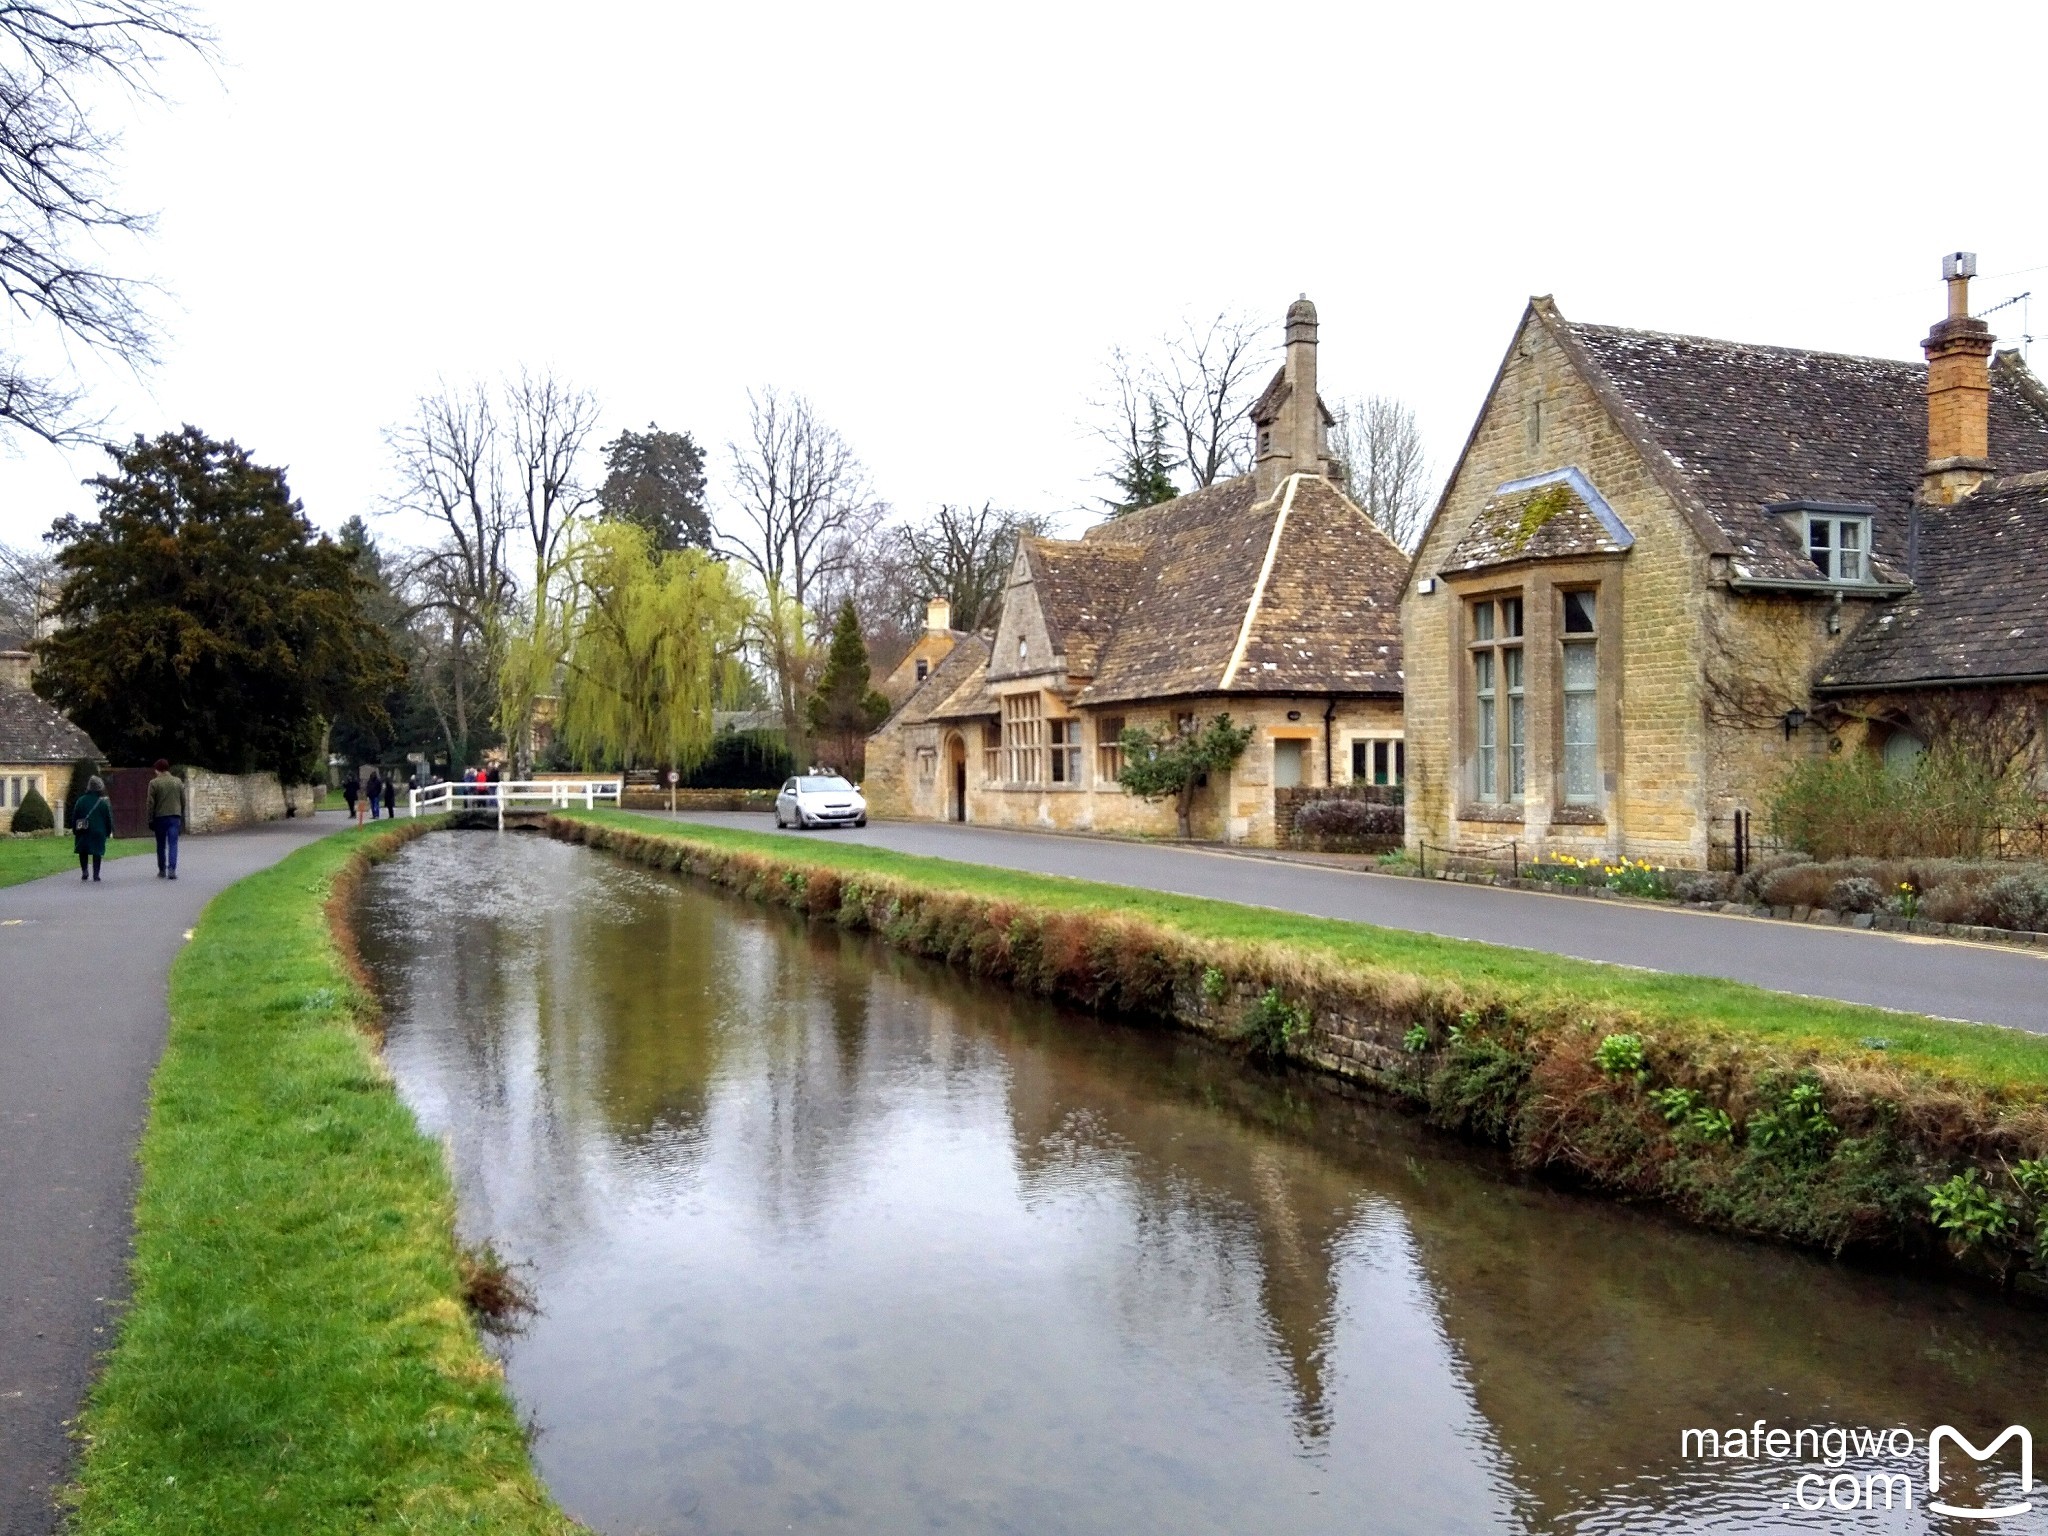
<point x="846" y="707"/>
<point x="1143" y="477"/>
<point x="203" y="619"/>
<point x="655" y="481"/>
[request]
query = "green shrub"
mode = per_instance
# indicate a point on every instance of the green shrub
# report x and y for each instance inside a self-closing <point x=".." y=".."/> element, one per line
<point x="1620" y="1053"/>
<point x="33" y="814"/>
<point x="1797" y="1129"/>
<point x="1969" y="1212"/>
<point x="1948" y="806"/>
<point x="1416" y="1039"/>
<point x="1273" y="1024"/>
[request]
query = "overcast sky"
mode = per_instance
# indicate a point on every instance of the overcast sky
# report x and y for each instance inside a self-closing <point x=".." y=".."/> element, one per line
<point x="934" y="222"/>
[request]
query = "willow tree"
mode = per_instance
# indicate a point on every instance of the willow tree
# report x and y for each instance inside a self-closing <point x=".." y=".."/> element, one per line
<point x="656" y="647"/>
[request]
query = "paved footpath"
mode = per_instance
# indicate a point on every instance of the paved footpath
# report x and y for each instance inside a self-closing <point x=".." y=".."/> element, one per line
<point x="83" y="972"/>
<point x="1943" y="977"/>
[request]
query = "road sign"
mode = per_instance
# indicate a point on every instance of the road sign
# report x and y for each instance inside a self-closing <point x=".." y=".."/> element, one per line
<point x="674" y="777"/>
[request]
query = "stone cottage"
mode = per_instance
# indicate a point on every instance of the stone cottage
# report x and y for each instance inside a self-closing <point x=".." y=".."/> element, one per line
<point x="1666" y="568"/>
<point x="1270" y="597"/>
<point x="37" y="744"/>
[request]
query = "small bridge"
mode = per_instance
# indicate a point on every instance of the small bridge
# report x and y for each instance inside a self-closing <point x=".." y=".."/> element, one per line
<point x="514" y="803"/>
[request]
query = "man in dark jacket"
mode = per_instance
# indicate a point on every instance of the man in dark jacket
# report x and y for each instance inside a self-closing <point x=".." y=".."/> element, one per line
<point x="166" y="818"/>
<point x="376" y="793"/>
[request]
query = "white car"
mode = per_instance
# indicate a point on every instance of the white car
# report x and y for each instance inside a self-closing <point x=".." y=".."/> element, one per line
<point x="820" y="800"/>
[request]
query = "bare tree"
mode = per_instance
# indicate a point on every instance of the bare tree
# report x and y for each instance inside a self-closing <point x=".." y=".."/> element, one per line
<point x="1380" y="453"/>
<point x="1206" y="381"/>
<point x="963" y="554"/>
<point x="28" y="586"/>
<point x="448" y="472"/>
<point x="799" y="494"/>
<point x="56" y="197"/>
<point x="549" y="426"/>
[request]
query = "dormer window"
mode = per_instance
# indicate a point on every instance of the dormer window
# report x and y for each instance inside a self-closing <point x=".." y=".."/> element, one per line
<point x="1839" y="547"/>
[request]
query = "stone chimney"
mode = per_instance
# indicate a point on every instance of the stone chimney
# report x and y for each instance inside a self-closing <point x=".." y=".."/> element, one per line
<point x="1958" y="392"/>
<point x="1289" y="416"/>
<point x="14" y="666"/>
<point x="938" y="615"/>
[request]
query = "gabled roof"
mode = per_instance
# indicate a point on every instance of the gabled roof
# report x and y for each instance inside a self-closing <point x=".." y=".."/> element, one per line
<point x="34" y="732"/>
<point x="1083" y="588"/>
<point x="1731" y="428"/>
<point x="1544" y="517"/>
<point x="1296" y="594"/>
<point x="1977" y="613"/>
<point x="957" y="687"/>
<point x="1266" y="409"/>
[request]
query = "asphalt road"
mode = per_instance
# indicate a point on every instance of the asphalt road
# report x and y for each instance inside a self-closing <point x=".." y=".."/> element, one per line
<point x="83" y="974"/>
<point x="1948" y="979"/>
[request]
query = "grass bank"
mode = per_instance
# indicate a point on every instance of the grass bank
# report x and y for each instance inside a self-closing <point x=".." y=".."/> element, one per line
<point x="1821" y="1123"/>
<point x="297" y="1358"/>
<point x="31" y="858"/>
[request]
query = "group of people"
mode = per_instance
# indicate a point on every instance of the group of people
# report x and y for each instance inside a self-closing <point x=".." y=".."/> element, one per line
<point x="92" y="822"/>
<point x="379" y="791"/>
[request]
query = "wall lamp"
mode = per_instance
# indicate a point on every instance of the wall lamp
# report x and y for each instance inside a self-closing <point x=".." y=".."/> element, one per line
<point x="1795" y="717"/>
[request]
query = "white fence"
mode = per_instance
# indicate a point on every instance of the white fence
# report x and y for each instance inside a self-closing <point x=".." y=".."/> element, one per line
<point x="514" y="795"/>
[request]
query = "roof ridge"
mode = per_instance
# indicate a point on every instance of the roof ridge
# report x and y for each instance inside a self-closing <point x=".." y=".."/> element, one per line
<point x="1746" y="346"/>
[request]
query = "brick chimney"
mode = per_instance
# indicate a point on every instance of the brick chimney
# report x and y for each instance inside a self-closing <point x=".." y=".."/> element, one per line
<point x="1958" y="392"/>
<point x="938" y="615"/>
<point x="1289" y="416"/>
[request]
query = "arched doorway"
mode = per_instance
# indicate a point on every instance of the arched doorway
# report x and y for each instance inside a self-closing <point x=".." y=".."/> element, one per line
<point x="956" y="778"/>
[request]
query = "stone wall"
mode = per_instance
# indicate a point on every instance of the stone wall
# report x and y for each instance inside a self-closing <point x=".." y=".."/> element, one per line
<point x="1288" y="803"/>
<point x="216" y="802"/>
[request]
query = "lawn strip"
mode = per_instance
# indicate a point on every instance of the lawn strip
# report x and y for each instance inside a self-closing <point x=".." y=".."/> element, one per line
<point x="31" y="858"/>
<point x="296" y="1358"/>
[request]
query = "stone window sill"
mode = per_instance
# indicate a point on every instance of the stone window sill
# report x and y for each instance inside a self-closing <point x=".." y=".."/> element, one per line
<point x="1578" y="816"/>
<point x="1497" y="814"/>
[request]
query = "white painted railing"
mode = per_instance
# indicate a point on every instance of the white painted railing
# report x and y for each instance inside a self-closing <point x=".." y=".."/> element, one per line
<point x="514" y="795"/>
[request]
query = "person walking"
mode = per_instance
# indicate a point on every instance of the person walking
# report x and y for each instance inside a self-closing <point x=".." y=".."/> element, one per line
<point x="92" y="823"/>
<point x="349" y="790"/>
<point x="376" y="788"/>
<point x="166" y="818"/>
<point x="391" y="798"/>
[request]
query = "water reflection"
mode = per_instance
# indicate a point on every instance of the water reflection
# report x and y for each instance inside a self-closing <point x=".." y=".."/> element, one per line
<point x="830" y="1239"/>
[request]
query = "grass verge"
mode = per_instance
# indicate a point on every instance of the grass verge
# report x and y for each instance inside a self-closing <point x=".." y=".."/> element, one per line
<point x="1821" y="1123"/>
<point x="31" y="858"/>
<point x="296" y="1358"/>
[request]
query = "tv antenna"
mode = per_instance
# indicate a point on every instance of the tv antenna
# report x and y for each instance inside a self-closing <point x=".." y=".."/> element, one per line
<point x="2026" y="324"/>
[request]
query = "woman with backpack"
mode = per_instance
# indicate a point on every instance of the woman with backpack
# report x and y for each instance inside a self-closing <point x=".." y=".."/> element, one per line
<point x="92" y="823"/>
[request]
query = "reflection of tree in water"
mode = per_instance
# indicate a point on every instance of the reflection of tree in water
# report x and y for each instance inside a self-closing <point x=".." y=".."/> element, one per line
<point x="1225" y="1218"/>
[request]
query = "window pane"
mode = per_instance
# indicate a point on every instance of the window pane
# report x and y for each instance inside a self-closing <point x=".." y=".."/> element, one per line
<point x="1359" y="771"/>
<point x="1511" y="660"/>
<point x="1849" y="551"/>
<point x="1581" y="669"/>
<point x="1518" y="758"/>
<point x="1482" y="621"/>
<point x="1488" y="722"/>
<point x="1578" y="613"/>
<point x="1400" y="761"/>
<point x="1511" y="616"/>
<point x="1380" y="759"/>
<point x="1581" y="724"/>
<point x="1819" y="537"/>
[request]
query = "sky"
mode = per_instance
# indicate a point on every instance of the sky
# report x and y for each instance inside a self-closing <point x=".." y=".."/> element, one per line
<point x="934" y="222"/>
